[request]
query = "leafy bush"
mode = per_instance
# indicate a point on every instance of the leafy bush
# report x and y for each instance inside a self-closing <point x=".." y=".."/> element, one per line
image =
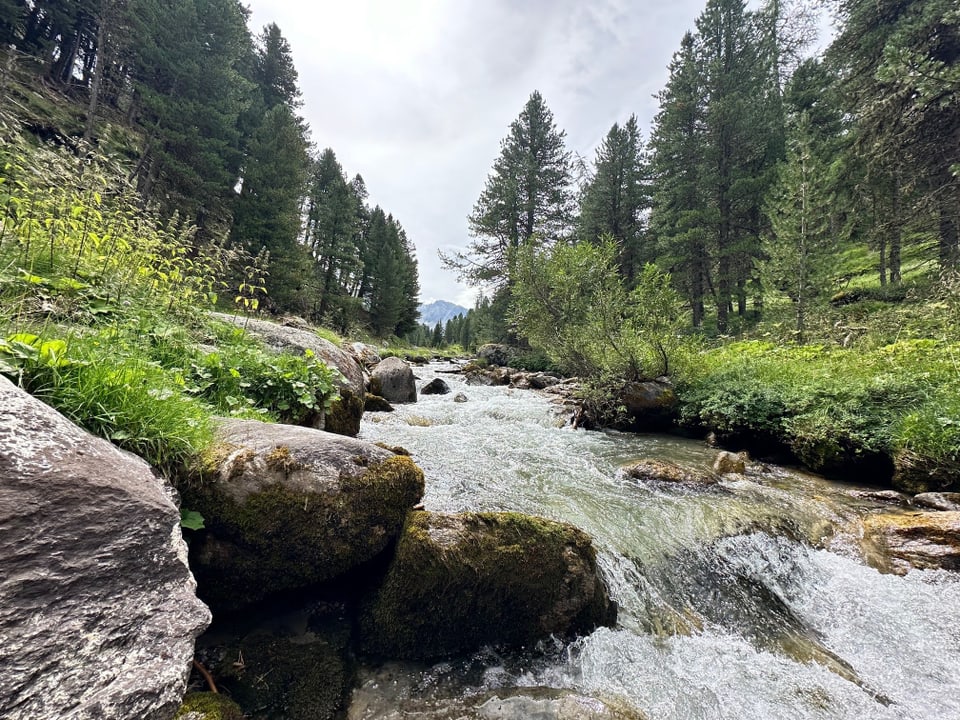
<point x="570" y="304"/>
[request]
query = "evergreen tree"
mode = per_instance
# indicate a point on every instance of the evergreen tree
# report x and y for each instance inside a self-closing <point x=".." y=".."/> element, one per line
<point x="799" y="211"/>
<point x="736" y="133"/>
<point x="331" y="232"/>
<point x="527" y="194"/>
<point x="267" y="213"/>
<point x="680" y="208"/>
<point x="898" y="60"/>
<point x="617" y="196"/>
<point x="190" y="93"/>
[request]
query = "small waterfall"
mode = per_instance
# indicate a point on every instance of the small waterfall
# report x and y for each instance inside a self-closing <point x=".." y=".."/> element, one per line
<point x="746" y="601"/>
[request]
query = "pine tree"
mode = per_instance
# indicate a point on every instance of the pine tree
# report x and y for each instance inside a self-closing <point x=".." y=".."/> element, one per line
<point x="331" y="232"/>
<point x="527" y="194"/>
<point x="190" y="93"/>
<point x="680" y="208"/>
<point x="898" y="60"/>
<point x="799" y="211"/>
<point x="616" y="197"/>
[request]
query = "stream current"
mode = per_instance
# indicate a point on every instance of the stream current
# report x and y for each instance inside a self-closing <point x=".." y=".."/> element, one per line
<point x="747" y="601"/>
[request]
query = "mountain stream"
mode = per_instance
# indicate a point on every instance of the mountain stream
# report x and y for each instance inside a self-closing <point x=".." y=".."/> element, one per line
<point x="748" y="600"/>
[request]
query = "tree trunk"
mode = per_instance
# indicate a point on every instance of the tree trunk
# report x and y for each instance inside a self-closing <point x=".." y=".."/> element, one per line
<point x="99" y="66"/>
<point x="896" y="231"/>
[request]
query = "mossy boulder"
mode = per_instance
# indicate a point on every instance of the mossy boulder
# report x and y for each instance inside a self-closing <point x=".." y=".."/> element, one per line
<point x="288" y="507"/>
<point x="897" y="542"/>
<point x="208" y="706"/>
<point x="728" y="463"/>
<point x="457" y="582"/>
<point x="650" y="405"/>
<point x="344" y="415"/>
<point x="293" y="678"/>
<point x="495" y="354"/>
<point x="914" y="473"/>
<point x="664" y="471"/>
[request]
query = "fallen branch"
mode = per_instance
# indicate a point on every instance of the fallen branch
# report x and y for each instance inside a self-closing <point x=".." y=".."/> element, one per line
<point x="206" y="676"/>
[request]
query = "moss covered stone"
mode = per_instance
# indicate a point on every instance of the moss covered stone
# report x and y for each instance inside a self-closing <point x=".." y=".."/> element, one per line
<point x="290" y="507"/>
<point x="345" y="413"/>
<point x="302" y="678"/>
<point x="457" y="582"/>
<point x="208" y="706"/>
<point x="375" y="403"/>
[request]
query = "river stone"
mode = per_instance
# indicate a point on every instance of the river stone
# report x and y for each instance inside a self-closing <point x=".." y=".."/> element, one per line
<point x="208" y="706"/>
<point x="460" y="398"/>
<point x="664" y="471"/>
<point x="437" y="386"/>
<point x="367" y="355"/>
<point x="897" y="542"/>
<point x="393" y="379"/>
<point x="345" y="412"/>
<point x="650" y="405"/>
<point x="300" y="677"/>
<point x="938" y="501"/>
<point x="387" y="696"/>
<point x="730" y="463"/>
<point x="457" y="582"/>
<point x="98" y="614"/>
<point x="916" y="474"/>
<point x="375" y="403"/>
<point x="287" y="507"/>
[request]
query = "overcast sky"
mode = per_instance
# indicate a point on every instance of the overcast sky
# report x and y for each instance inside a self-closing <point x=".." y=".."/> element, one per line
<point x="415" y="95"/>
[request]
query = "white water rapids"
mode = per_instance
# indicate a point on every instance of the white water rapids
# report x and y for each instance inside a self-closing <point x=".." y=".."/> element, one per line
<point x="729" y="605"/>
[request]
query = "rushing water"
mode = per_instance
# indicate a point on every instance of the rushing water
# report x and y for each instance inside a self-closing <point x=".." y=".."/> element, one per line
<point x="730" y="605"/>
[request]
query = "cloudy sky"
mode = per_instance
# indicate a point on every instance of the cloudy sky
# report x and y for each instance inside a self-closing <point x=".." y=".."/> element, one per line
<point x="415" y="95"/>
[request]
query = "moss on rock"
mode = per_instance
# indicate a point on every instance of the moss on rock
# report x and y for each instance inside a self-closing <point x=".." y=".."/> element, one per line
<point x="302" y="507"/>
<point x="208" y="706"/>
<point x="345" y="413"/>
<point x="297" y="679"/>
<point x="375" y="403"/>
<point x="460" y="581"/>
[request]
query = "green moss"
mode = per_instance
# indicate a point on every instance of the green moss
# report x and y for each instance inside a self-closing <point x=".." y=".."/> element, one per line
<point x="375" y="403"/>
<point x="458" y="582"/>
<point x="343" y="417"/>
<point x="283" y="677"/>
<point x="280" y="539"/>
<point x="208" y="706"/>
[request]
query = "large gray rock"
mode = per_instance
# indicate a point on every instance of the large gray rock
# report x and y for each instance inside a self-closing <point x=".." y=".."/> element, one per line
<point x="287" y="507"/>
<point x="437" y="386"/>
<point x="98" y="614"/>
<point x="345" y="413"/>
<point x="495" y="354"/>
<point x="458" y="582"/>
<point x="393" y="379"/>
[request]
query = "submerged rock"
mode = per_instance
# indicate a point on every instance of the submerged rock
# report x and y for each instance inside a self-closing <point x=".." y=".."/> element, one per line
<point x="938" y="501"/>
<point x="393" y="379"/>
<point x="460" y="398"/>
<point x="345" y="412"/>
<point x="436" y="386"/>
<point x="457" y="582"/>
<point x="288" y="507"/>
<point x="730" y="463"/>
<point x="897" y="542"/>
<point x="98" y="614"/>
<point x="384" y="696"/>
<point x="664" y="471"/>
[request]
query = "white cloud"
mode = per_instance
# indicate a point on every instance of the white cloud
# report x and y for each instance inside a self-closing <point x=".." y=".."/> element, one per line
<point x="415" y="95"/>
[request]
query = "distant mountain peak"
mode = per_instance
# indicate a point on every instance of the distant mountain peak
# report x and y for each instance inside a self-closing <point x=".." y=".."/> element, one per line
<point x="440" y="311"/>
